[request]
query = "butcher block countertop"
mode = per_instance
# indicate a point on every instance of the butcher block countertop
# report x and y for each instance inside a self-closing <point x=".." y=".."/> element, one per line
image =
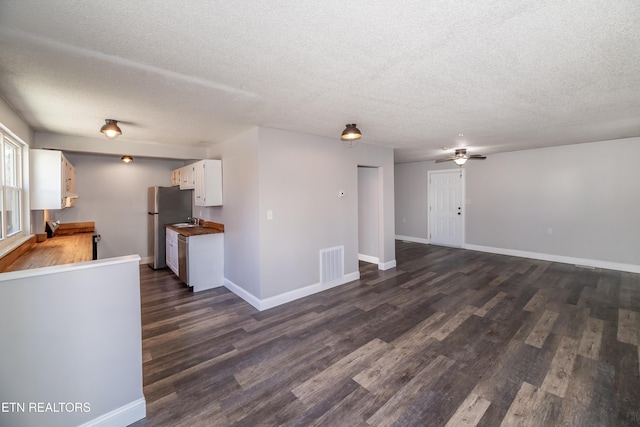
<point x="205" y="227"/>
<point x="57" y="250"/>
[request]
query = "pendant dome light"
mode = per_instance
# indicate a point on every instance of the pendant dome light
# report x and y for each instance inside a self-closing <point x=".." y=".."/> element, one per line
<point x="126" y="160"/>
<point x="111" y="129"/>
<point x="350" y="135"/>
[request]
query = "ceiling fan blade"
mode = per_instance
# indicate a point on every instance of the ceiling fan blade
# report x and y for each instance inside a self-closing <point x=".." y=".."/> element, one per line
<point x="446" y="159"/>
<point x="477" y="156"/>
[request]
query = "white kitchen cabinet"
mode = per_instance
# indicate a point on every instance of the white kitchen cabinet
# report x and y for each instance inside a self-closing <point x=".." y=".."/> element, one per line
<point x="208" y="183"/>
<point x="205" y="261"/>
<point x="187" y="177"/>
<point x="175" y="177"/>
<point x="52" y="180"/>
<point x="172" y="250"/>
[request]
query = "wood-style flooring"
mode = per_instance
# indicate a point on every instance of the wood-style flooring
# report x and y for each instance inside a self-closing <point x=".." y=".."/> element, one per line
<point x="448" y="338"/>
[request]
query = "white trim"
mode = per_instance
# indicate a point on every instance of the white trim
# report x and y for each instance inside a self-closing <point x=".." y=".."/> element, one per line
<point x="42" y="271"/>
<point x="122" y="416"/>
<point x="368" y="258"/>
<point x="274" y="301"/>
<point x="413" y="239"/>
<point x="247" y="296"/>
<point x="146" y="260"/>
<point x="387" y="265"/>
<point x="631" y="268"/>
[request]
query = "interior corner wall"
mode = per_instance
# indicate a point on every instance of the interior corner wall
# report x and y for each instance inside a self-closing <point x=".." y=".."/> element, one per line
<point x="15" y="123"/>
<point x="239" y="210"/>
<point x="585" y="193"/>
<point x="412" y="207"/>
<point x="301" y="176"/>
<point x="114" y="196"/>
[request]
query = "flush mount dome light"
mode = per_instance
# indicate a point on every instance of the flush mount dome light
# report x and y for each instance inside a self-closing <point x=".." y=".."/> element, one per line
<point x="111" y="129"/>
<point x="350" y="135"/>
<point x="126" y="159"/>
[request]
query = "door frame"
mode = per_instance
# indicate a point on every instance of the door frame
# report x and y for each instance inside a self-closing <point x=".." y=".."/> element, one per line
<point x="463" y="204"/>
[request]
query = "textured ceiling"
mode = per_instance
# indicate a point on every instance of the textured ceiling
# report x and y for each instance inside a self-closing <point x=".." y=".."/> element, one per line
<point x="413" y="75"/>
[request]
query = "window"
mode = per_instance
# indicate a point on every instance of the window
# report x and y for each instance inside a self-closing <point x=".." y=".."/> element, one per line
<point x="12" y="191"/>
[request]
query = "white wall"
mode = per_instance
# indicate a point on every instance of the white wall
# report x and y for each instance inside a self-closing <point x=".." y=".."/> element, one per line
<point x="239" y="213"/>
<point x="10" y="119"/>
<point x="589" y="194"/>
<point x="72" y="335"/>
<point x="296" y="176"/>
<point x="300" y="177"/>
<point x="114" y="196"/>
<point x="368" y="213"/>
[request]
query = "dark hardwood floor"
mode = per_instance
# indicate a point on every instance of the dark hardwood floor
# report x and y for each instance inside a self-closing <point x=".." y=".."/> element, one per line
<point x="449" y="337"/>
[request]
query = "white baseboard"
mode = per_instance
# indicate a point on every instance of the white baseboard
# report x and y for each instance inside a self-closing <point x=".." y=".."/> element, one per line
<point x="413" y="239"/>
<point x="248" y="297"/>
<point x="146" y="260"/>
<point x="631" y="268"/>
<point x="274" y="301"/>
<point x="122" y="416"/>
<point x="368" y="258"/>
<point x="387" y="265"/>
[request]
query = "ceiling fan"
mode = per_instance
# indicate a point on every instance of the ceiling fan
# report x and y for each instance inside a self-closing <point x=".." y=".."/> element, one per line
<point x="461" y="157"/>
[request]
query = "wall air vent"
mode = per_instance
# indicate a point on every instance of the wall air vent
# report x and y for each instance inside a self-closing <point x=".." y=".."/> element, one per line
<point x="331" y="264"/>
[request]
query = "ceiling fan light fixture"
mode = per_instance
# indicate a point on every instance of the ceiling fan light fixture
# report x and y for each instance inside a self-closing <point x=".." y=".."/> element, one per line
<point x="111" y="129"/>
<point x="350" y="135"/>
<point x="126" y="160"/>
<point x="460" y="161"/>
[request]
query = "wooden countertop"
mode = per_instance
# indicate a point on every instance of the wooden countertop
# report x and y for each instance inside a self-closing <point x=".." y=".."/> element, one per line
<point x="57" y="250"/>
<point x="206" y="227"/>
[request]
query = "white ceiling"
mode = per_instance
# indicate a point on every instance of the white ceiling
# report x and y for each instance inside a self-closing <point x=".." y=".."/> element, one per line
<point x="413" y="75"/>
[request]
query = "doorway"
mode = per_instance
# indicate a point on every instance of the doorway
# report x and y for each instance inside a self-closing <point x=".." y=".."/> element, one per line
<point x="446" y="207"/>
<point x="369" y="197"/>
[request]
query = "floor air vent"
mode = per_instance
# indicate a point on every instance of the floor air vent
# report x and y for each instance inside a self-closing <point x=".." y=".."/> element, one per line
<point x="331" y="264"/>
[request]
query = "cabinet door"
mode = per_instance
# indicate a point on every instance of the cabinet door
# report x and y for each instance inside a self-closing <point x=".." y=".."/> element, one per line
<point x="199" y="181"/>
<point x="187" y="179"/>
<point x="208" y="183"/>
<point x="172" y="250"/>
<point x="47" y="179"/>
<point x="175" y="177"/>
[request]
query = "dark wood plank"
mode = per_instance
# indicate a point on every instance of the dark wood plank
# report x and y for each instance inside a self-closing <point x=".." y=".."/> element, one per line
<point x="449" y="337"/>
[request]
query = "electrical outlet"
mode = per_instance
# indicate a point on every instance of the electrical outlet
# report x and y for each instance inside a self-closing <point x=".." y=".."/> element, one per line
<point x="269" y="215"/>
<point x="549" y="231"/>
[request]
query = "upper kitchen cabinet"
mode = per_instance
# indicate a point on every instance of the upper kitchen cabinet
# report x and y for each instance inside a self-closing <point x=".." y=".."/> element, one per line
<point x="53" y="180"/>
<point x="208" y="183"/>
<point x="175" y="177"/>
<point x="187" y="177"/>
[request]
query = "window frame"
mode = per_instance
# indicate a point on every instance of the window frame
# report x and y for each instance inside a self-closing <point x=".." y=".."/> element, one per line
<point x="21" y="167"/>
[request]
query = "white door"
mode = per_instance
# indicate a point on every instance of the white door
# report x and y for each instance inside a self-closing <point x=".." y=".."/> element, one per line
<point x="446" y="210"/>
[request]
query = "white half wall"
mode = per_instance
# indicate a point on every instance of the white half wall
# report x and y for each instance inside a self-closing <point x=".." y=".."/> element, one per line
<point x="114" y="196"/>
<point x="72" y="339"/>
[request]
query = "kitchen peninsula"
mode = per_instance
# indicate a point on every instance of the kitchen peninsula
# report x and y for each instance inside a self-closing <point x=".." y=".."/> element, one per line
<point x="72" y="242"/>
<point x="195" y="253"/>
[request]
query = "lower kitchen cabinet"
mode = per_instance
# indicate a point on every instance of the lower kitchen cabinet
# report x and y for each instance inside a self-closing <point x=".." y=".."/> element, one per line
<point x="205" y="261"/>
<point x="172" y="251"/>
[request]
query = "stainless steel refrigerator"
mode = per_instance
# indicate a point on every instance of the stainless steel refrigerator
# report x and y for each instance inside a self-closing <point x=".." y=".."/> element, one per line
<point x="167" y="205"/>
